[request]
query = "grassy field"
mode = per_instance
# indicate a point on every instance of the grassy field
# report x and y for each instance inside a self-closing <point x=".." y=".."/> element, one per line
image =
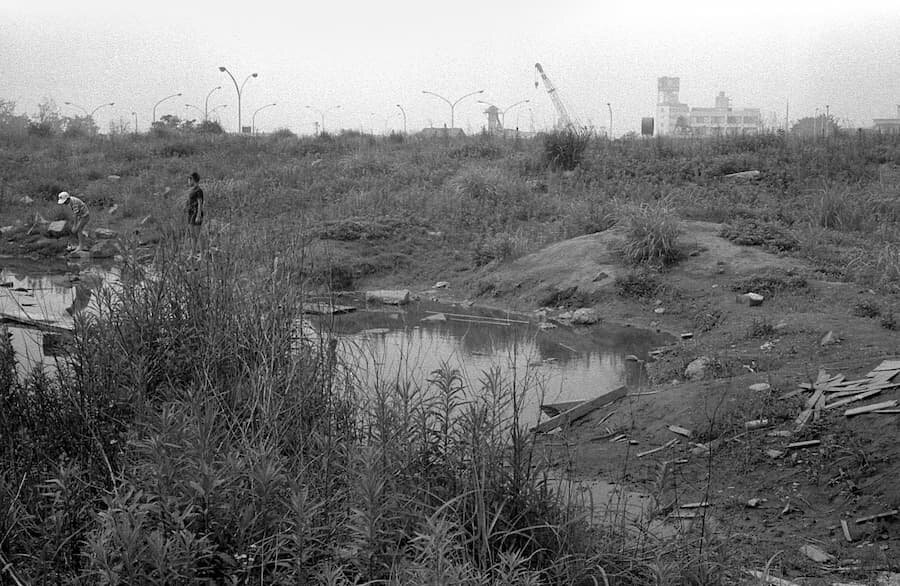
<point x="198" y="438"/>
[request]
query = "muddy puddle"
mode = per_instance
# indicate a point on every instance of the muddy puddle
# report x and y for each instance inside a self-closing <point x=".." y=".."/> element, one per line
<point x="37" y="304"/>
<point x="557" y="365"/>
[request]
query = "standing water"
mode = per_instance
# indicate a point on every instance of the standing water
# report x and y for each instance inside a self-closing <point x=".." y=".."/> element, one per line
<point x="557" y="365"/>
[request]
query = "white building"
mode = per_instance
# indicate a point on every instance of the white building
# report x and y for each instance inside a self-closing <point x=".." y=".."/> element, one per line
<point x="676" y="118"/>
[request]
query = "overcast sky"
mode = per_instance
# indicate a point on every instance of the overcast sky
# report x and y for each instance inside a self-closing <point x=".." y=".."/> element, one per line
<point x="370" y="56"/>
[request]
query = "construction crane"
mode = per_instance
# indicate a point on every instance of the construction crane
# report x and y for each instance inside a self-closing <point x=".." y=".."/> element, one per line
<point x="564" y="121"/>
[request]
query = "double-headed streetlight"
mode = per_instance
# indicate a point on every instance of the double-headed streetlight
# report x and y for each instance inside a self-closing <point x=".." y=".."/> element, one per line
<point x="253" y="120"/>
<point x="186" y="106"/>
<point x="135" y="122"/>
<point x="321" y="113"/>
<point x="503" y="111"/>
<point x="206" y="103"/>
<point x="608" y="105"/>
<point x="160" y="102"/>
<point x="239" y="89"/>
<point x="452" y="104"/>
<point x="404" y="117"/>
<point x="92" y="112"/>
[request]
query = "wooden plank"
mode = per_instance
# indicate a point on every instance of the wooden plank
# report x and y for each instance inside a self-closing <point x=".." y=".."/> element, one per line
<point x="680" y="430"/>
<point x="481" y="317"/>
<point x="888" y="365"/>
<point x="812" y="401"/>
<point x="806" y="444"/>
<point x="852" y="399"/>
<point x="846" y="529"/>
<point x="567" y="417"/>
<point x="887" y="411"/>
<point x="868" y="408"/>
<point x="695" y="505"/>
<point x="770" y="580"/>
<point x="877" y="516"/>
<point x="665" y="446"/>
<point x="554" y="409"/>
<point x="822" y="377"/>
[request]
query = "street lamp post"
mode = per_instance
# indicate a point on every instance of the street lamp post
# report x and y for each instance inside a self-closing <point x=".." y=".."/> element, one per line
<point x="160" y="102"/>
<point x="322" y="114"/>
<point x="452" y="104"/>
<point x="186" y="106"/>
<point x="92" y="112"/>
<point x="74" y="105"/>
<point x="135" y="122"/>
<point x="206" y="103"/>
<point x="239" y="90"/>
<point x="213" y="111"/>
<point x="253" y="119"/>
<point x="404" y="117"/>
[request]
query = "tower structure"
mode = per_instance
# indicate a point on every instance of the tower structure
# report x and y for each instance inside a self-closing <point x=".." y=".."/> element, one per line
<point x="671" y="114"/>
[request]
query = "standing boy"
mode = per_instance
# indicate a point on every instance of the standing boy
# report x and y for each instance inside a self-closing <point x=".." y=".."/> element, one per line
<point x="194" y="209"/>
<point x="82" y="215"/>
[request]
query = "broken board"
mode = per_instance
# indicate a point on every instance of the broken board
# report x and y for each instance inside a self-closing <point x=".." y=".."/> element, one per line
<point x="567" y="417"/>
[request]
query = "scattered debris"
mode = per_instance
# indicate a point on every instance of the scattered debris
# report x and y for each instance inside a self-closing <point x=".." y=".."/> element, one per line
<point x="680" y="430"/>
<point x="695" y="505"/>
<point x="771" y="580"/>
<point x="585" y="316"/>
<point x="687" y="335"/>
<point x="113" y="177"/>
<point x="877" y="516"/>
<point x="752" y="174"/>
<point x="829" y="339"/>
<point x="806" y="444"/>
<point x="755" y="502"/>
<point x="325" y="308"/>
<point x="816" y="554"/>
<point x="846" y="529"/>
<point x="665" y="446"/>
<point x="869" y="408"/>
<point x="435" y="317"/>
<point x="104" y="233"/>
<point x="659" y="310"/>
<point x="567" y="417"/>
<point x="389" y="297"/>
<point x="774" y="454"/>
<point x="753" y="299"/>
<point x="546" y="325"/>
<point x="760" y="387"/>
<point x="757" y="424"/>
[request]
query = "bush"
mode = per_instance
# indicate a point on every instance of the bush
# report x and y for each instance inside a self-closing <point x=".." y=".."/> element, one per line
<point x="564" y="149"/>
<point x="641" y="284"/>
<point x="754" y="232"/>
<point x="769" y="284"/>
<point x="866" y="308"/>
<point x="651" y="236"/>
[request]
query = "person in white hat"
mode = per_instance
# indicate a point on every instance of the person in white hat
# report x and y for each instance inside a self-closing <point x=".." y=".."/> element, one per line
<point x="82" y="215"/>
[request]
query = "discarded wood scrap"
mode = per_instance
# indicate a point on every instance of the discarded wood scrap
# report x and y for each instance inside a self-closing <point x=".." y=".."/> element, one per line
<point x="877" y="516"/>
<point x="771" y="580"/>
<point x="665" y="446"/>
<point x="567" y="417"/>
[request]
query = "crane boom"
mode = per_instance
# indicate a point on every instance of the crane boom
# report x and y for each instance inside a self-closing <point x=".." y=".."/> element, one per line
<point x="564" y="120"/>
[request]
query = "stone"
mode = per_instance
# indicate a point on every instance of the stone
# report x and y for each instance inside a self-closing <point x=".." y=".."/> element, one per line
<point x="440" y="285"/>
<point x="659" y="310"/>
<point x="829" y="339"/>
<point x="698" y="368"/>
<point x="585" y="316"/>
<point x="57" y="229"/>
<point x="760" y="387"/>
<point x="113" y="209"/>
<point x="780" y="326"/>
<point x="4" y="230"/>
<point x="113" y="177"/>
<point x="105" y="233"/>
<point x="27" y="200"/>
<point x="816" y="554"/>
<point x="104" y="249"/>
<point x="389" y="297"/>
<point x="753" y="299"/>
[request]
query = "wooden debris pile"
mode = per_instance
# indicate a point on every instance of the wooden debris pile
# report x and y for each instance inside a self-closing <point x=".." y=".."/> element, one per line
<point x="835" y="392"/>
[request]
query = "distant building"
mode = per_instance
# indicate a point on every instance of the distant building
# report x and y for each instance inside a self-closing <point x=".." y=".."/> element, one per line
<point x="442" y="132"/>
<point x="676" y="118"/>
<point x="887" y="125"/>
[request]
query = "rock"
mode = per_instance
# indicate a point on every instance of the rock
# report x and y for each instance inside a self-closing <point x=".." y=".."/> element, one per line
<point x="585" y="316"/>
<point x="104" y="249"/>
<point x="659" y="310"/>
<point x="27" y="200"/>
<point x="113" y="177"/>
<point x="760" y="387"/>
<point x="755" y="502"/>
<point x="440" y="285"/>
<point x="4" y="230"/>
<point x="632" y="358"/>
<point x="105" y="233"/>
<point x="816" y="554"/>
<point x="698" y="368"/>
<point x="435" y="317"/>
<point x="113" y="209"/>
<point x="57" y="229"/>
<point x="753" y="299"/>
<point x="389" y="297"/>
<point x="780" y="326"/>
<point x="829" y="339"/>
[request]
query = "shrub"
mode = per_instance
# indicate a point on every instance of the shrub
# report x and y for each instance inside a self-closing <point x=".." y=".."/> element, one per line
<point x="866" y="308"/>
<point x="651" y="236"/>
<point x="761" y="328"/>
<point x="769" y="284"/>
<point x="564" y="149"/>
<point x="641" y="284"/>
<point x="890" y="322"/>
<point x="754" y="232"/>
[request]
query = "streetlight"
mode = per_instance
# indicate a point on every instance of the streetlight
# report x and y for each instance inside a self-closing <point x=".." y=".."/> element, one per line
<point x="92" y="112"/>
<point x="239" y="90"/>
<point x="77" y="106"/>
<point x="206" y="103"/>
<point x="404" y="117"/>
<point x="160" y="102"/>
<point x="186" y="106"/>
<point x="452" y="104"/>
<point x="213" y="111"/>
<point x="504" y="110"/>
<point x="253" y="120"/>
<point x="322" y="113"/>
<point x="135" y="122"/>
<point x="608" y="105"/>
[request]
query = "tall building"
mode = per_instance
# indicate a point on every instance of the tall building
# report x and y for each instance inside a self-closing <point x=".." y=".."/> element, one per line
<point x="671" y="115"/>
<point x="676" y="118"/>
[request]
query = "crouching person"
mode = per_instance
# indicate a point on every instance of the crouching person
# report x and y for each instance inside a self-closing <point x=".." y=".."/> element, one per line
<point x="82" y="216"/>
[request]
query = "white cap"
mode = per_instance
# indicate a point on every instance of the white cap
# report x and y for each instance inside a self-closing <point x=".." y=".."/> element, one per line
<point x="63" y="197"/>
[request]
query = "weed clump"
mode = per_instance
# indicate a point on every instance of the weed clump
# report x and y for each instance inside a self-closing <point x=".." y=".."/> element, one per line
<point x="753" y="232"/>
<point x="651" y="236"/>
<point x="640" y="284"/>
<point x="889" y="321"/>
<point x="770" y="284"/>
<point x="564" y="149"/>
<point x="761" y="328"/>
<point x="866" y="308"/>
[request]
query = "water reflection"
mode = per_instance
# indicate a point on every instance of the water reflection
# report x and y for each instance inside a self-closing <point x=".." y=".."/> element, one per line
<point x="556" y="365"/>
